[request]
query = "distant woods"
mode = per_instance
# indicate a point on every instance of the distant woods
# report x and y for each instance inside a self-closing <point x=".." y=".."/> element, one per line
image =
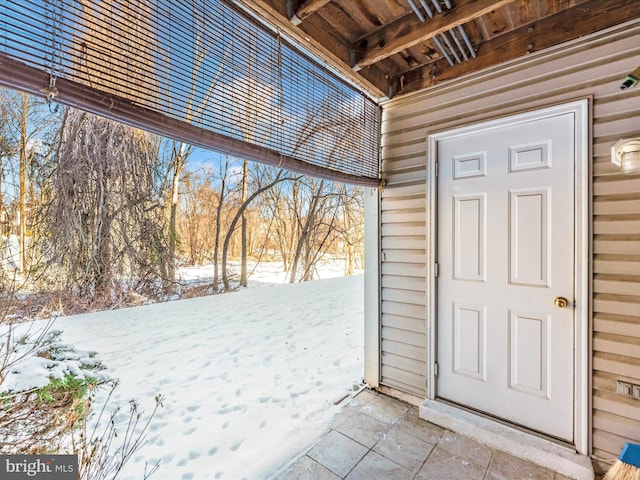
<point x="102" y="213"/>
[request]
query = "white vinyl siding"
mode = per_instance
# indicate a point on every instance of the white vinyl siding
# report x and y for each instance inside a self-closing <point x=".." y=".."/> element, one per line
<point x="590" y="68"/>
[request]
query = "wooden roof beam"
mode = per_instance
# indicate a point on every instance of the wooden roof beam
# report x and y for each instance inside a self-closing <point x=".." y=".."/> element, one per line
<point x="307" y="8"/>
<point x="399" y="36"/>
<point x="569" y="24"/>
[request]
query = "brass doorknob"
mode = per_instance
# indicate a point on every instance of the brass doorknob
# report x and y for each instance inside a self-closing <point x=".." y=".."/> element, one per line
<point x="561" y="302"/>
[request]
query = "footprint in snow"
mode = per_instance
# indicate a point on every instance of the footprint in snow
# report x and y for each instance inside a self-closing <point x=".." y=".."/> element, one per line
<point x="190" y="431"/>
<point x="188" y="476"/>
<point x="157" y="426"/>
<point x="236" y="445"/>
<point x="193" y="455"/>
<point x="182" y="462"/>
<point x="212" y="452"/>
<point x="168" y="459"/>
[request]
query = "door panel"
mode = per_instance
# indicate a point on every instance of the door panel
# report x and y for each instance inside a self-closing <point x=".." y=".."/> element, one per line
<point x="529" y="237"/>
<point x="469" y="237"/>
<point x="506" y="250"/>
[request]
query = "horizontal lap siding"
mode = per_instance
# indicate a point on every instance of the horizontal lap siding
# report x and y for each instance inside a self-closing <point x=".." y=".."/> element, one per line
<point x="592" y="69"/>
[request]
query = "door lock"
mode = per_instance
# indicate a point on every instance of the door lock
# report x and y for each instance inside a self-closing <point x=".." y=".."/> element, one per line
<point x="561" y="302"/>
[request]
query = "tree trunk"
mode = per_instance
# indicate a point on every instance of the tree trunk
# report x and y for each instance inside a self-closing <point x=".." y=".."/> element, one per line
<point x="22" y="203"/>
<point x="243" y="242"/>
<point x="216" y="245"/>
<point x="179" y="159"/>
<point x="225" y="247"/>
<point x="306" y="229"/>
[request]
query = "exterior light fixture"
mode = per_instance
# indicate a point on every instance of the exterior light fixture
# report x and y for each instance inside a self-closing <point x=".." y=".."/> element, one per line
<point x="625" y="153"/>
<point x="631" y="80"/>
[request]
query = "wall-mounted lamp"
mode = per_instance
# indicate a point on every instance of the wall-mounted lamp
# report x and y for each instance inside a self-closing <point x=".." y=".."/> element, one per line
<point x="625" y="153"/>
<point x="631" y="80"/>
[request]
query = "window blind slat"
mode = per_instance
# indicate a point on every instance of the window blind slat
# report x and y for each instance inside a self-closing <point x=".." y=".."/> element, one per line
<point x="200" y="71"/>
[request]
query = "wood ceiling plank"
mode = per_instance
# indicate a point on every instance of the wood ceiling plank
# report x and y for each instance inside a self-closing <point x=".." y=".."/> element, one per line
<point x="561" y="27"/>
<point x="343" y="22"/>
<point x="403" y="34"/>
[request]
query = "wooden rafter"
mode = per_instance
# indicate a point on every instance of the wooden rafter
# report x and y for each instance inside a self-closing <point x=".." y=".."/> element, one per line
<point x="527" y="39"/>
<point x="307" y="8"/>
<point x="401" y="35"/>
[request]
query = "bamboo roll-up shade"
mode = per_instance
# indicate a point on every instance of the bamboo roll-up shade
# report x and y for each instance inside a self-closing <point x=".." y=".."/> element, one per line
<point x="199" y="71"/>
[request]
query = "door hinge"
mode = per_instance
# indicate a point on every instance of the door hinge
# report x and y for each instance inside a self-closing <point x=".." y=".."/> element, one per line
<point x="437" y="169"/>
<point x="436" y="269"/>
<point x="435" y="369"/>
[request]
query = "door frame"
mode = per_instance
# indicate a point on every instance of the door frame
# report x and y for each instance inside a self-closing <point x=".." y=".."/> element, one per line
<point x="581" y="111"/>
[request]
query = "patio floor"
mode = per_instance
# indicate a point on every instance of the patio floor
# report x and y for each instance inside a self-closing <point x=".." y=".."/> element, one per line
<point x="379" y="437"/>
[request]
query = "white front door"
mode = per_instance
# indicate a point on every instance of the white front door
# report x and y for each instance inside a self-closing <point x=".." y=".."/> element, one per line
<point x="505" y="251"/>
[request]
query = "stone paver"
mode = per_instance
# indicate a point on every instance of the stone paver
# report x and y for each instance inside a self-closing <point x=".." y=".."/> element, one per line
<point x="377" y="466"/>
<point x="306" y="468"/>
<point x="385" y="409"/>
<point x="363" y="429"/>
<point x="412" y="424"/>
<point x="376" y="437"/>
<point x="443" y="465"/>
<point x="338" y="453"/>
<point x="466" y="448"/>
<point x="406" y="450"/>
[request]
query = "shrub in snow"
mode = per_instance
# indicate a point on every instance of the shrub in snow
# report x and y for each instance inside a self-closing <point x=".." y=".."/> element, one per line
<point x="47" y="389"/>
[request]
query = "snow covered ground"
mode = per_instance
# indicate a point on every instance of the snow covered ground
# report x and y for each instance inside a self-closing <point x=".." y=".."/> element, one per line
<point x="249" y="378"/>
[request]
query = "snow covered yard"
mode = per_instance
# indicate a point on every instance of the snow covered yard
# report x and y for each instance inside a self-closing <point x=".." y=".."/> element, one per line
<point x="249" y="378"/>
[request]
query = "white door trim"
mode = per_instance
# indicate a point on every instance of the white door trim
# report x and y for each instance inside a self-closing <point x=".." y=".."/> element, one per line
<point x="580" y="110"/>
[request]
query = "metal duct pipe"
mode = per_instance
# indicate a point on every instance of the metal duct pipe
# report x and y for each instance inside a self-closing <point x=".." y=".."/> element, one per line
<point x="467" y="41"/>
<point x="444" y="52"/>
<point x="425" y="5"/>
<point x="416" y="10"/>
<point x="436" y="4"/>
<point x="453" y="50"/>
<point x="452" y="32"/>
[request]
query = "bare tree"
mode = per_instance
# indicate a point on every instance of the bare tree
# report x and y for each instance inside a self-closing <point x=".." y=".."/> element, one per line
<point x="221" y="199"/>
<point x="277" y="179"/>
<point x="103" y="214"/>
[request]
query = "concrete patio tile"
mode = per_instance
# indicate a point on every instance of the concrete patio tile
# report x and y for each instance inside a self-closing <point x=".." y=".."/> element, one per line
<point x="412" y="424"/>
<point x="403" y="449"/>
<point x="353" y="405"/>
<point x="442" y="465"/>
<point x="337" y="453"/>
<point x="375" y="466"/>
<point x="306" y="468"/>
<point x="364" y="429"/>
<point x="507" y="467"/>
<point x="466" y="448"/>
<point x="385" y="409"/>
<point x="361" y="399"/>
